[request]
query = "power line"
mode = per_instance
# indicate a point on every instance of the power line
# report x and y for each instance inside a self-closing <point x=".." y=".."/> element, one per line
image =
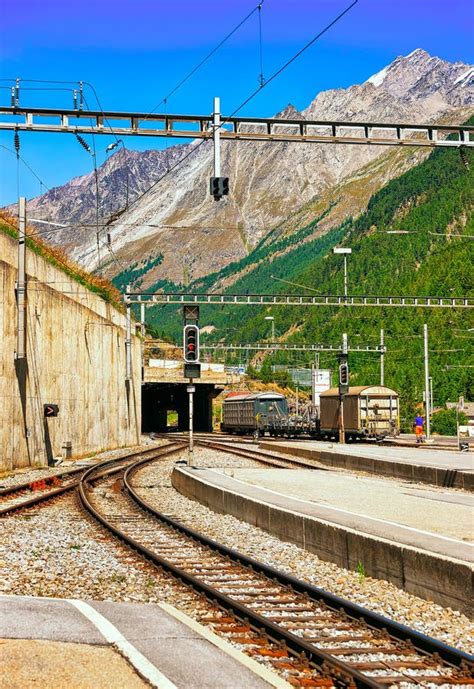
<point x="205" y="59"/>
<point x="26" y="165"/>
<point x="295" y="284"/>
<point x="248" y="99"/>
<point x="164" y="100"/>
<point x="93" y="154"/>
<point x="245" y="102"/>
<point x="261" y="78"/>
<point x="76" y="269"/>
<point x="61" y="226"/>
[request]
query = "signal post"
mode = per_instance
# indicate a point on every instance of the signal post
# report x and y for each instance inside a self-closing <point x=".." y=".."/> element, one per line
<point x="192" y="367"/>
<point x="343" y="386"/>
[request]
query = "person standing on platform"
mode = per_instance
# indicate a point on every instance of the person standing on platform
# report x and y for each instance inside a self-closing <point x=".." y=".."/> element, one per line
<point x="418" y="423"/>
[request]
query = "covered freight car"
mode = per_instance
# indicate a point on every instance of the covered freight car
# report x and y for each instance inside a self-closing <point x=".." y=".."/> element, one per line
<point x="252" y="412"/>
<point x="369" y="411"/>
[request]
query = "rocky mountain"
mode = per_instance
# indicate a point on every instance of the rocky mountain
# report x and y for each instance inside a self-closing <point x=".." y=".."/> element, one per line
<point x="435" y="200"/>
<point x="185" y="234"/>
<point x="122" y="178"/>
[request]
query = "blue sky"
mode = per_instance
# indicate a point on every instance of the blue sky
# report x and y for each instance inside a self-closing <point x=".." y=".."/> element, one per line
<point x="135" y="52"/>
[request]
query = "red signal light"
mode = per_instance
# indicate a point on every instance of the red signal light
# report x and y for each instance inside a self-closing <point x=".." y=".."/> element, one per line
<point x="191" y="343"/>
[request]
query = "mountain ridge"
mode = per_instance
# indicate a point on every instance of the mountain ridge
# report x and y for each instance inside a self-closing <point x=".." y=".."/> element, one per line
<point x="269" y="181"/>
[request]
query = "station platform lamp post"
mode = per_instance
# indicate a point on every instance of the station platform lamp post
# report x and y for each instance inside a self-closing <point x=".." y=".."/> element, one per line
<point x="272" y="319"/>
<point x="344" y="251"/>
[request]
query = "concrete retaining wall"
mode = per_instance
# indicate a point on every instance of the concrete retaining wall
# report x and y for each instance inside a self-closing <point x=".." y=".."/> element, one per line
<point x="435" y="476"/>
<point x="427" y="575"/>
<point x="75" y="358"/>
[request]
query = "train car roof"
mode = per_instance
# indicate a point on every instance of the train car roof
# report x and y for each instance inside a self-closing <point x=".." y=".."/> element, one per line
<point x="356" y="390"/>
<point x="240" y="396"/>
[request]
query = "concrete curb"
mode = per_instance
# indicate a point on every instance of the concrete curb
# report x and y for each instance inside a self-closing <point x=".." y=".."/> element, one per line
<point x="432" y="475"/>
<point x="425" y="574"/>
<point x="258" y="669"/>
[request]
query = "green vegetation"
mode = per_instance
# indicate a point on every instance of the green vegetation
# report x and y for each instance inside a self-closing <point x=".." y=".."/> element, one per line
<point x="132" y="275"/>
<point x="360" y="569"/>
<point x="263" y="264"/>
<point x="445" y="421"/>
<point x="433" y="203"/>
<point x="56" y="257"/>
<point x="266" y="375"/>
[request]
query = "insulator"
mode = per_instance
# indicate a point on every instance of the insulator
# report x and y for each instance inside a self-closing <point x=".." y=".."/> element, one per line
<point x="81" y="96"/>
<point x="464" y="159"/>
<point x="16" y="141"/>
<point x="109" y="239"/>
<point x="13" y="96"/>
<point x="17" y="92"/>
<point x="83" y="143"/>
<point x="74" y="99"/>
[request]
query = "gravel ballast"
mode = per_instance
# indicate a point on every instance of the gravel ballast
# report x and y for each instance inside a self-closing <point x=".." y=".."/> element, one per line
<point x="56" y="551"/>
<point x="449" y="626"/>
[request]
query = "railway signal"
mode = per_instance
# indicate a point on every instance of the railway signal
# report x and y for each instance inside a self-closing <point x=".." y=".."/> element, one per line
<point x="191" y="344"/>
<point x="219" y="187"/>
<point x="50" y="410"/>
<point x="343" y="378"/>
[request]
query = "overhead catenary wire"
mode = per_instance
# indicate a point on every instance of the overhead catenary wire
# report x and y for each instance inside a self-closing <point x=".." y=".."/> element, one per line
<point x="22" y="159"/>
<point x="261" y="78"/>
<point x="193" y="149"/>
<point x="193" y="71"/>
<point x="164" y="100"/>
<point x="57" y="227"/>
<point x="247" y="100"/>
<point x="50" y="251"/>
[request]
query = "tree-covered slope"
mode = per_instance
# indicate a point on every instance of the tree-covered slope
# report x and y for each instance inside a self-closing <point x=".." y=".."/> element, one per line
<point x="432" y="204"/>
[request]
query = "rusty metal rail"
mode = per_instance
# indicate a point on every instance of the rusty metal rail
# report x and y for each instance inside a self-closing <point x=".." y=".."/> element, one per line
<point x="43" y="486"/>
<point x="291" y="608"/>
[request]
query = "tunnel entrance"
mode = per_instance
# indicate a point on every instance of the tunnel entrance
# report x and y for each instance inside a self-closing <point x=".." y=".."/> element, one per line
<point x="161" y="402"/>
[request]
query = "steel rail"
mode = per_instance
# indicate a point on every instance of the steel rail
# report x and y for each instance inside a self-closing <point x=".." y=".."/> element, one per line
<point x="341" y="670"/>
<point x="257" y="455"/>
<point x="420" y="641"/>
<point x="41" y="497"/>
<point x="260" y="456"/>
<point x="60" y="490"/>
<point x="296" y="644"/>
<point x="56" y="120"/>
<point x="29" y="485"/>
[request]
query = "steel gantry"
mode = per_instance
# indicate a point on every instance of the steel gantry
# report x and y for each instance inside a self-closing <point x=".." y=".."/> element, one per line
<point x="284" y="347"/>
<point x="358" y="300"/>
<point x="78" y="121"/>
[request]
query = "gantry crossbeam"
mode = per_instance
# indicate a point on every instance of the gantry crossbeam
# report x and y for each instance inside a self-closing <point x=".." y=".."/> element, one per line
<point x="298" y="300"/>
<point x="280" y="346"/>
<point x="233" y="128"/>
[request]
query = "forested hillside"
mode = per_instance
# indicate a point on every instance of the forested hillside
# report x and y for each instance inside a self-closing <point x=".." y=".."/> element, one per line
<point x="433" y="205"/>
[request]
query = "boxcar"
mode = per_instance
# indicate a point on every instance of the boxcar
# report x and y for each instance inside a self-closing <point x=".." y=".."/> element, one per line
<point x="369" y="412"/>
<point x="254" y="412"/>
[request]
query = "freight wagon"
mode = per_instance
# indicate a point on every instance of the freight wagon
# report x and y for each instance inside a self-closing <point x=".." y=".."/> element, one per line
<point x="369" y="412"/>
<point x="253" y="413"/>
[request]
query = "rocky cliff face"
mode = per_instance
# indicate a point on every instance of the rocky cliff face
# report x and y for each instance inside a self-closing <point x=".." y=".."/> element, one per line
<point x="269" y="181"/>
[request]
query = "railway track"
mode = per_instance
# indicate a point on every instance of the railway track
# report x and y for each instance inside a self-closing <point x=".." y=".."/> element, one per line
<point x="30" y="493"/>
<point x="319" y="639"/>
<point x="262" y="456"/>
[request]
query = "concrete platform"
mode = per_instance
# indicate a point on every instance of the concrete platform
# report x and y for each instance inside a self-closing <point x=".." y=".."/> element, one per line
<point x="419" y="539"/>
<point x="446" y="468"/>
<point x="115" y="645"/>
